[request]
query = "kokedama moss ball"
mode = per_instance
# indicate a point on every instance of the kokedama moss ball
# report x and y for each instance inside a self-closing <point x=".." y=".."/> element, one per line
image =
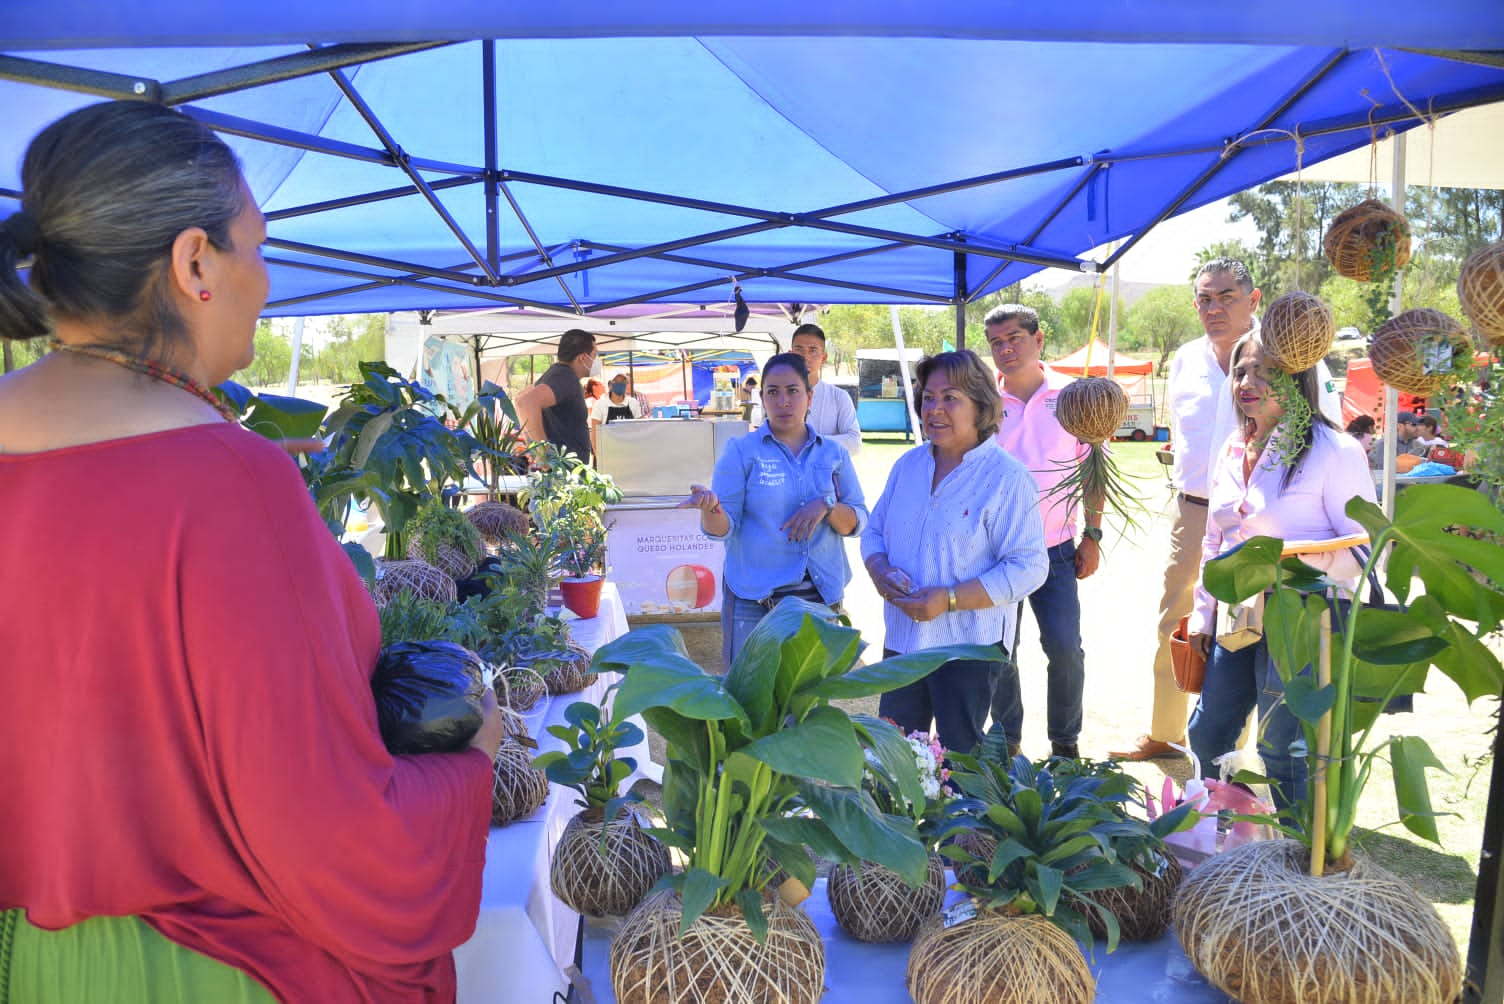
<point x="1143" y="914"/>
<point x="516" y="787"/>
<point x="872" y="903"/>
<point x="1260" y="927"/>
<point x="1351" y="239"/>
<point x="493" y="520"/>
<point x="1298" y="331"/>
<point x="1092" y="409"/>
<point x="411" y="576"/>
<point x="606" y="878"/>
<point x="1480" y="288"/>
<point x="717" y="961"/>
<point x="995" y="958"/>
<point x="1402" y="348"/>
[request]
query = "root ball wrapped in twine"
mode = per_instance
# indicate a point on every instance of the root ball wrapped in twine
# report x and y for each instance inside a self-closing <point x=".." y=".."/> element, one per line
<point x="1092" y="409"/>
<point x="412" y="576"/>
<point x="569" y="676"/>
<point x="1298" y="331"/>
<point x="998" y="959"/>
<point x="717" y="960"/>
<point x="523" y="685"/>
<point x="1480" y="289"/>
<point x="872" y="903"/>
<point x="1259" y="927"/>
<point x="447" y="558"/>
<point x="516" y="787"/>
<point x="1143" y="914"/>
<point x="1350" y="240"/>
<point x="493" y="520"/>
<point x="606" y="879"/>
<point x="1400" y="345"/>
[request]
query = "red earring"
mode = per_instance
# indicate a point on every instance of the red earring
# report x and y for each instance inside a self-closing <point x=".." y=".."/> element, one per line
<point x="204" y="295"/>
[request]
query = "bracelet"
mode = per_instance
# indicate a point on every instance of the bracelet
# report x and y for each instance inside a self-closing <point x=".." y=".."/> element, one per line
<point x="952" y="594"/>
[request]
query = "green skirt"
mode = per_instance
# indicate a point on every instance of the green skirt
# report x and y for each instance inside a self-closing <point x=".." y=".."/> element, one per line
<point x="118" y="959"/>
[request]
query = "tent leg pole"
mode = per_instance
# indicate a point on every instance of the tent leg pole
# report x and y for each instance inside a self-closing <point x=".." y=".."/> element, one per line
<point x="960" y="264"/>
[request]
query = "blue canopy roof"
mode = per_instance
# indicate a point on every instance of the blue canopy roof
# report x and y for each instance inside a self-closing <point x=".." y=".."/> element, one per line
<point x="596" y="153"/>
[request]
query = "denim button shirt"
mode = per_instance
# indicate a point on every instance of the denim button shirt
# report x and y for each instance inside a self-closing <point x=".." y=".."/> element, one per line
<point x="760" y="484"/>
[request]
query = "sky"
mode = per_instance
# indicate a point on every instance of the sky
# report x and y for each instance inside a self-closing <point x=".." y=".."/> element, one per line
<point x="1169" y="250"/>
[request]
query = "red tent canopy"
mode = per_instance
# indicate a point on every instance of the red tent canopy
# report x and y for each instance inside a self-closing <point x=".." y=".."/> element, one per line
<point x="1092" y="358"/>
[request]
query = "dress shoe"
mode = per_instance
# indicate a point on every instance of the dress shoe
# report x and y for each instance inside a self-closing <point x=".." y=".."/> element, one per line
<point x="1065" y="751"/>
<point x="1145" y="748"/>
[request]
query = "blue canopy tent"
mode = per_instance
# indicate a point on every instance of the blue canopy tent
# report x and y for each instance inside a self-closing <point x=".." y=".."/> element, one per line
<point x="583" y="156"/>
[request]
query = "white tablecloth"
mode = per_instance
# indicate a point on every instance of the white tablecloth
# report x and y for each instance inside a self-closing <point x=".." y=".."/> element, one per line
<point x="859" y="973"/>
<point x="524" y="937"/>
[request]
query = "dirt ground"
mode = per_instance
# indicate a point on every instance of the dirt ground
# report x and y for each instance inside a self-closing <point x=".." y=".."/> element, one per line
<point x="1120" y="612"/>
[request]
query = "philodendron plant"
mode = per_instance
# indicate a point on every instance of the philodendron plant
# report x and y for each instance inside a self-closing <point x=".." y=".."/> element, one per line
<point x="761" y="766"/>
<point x="1446" y="536"/>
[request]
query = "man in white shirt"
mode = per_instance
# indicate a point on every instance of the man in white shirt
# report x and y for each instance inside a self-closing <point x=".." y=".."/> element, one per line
<point x="831" y="411"/>
<point x="613" y="406"/>
<point x="1201" y="418"/>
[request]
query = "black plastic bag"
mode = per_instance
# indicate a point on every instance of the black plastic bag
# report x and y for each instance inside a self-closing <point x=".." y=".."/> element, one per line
<point x="428" y="696"/>
<point x="479" y="583"/>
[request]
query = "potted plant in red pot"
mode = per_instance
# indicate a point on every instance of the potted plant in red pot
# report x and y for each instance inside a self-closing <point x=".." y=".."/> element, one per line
<point x="581" y="535"/>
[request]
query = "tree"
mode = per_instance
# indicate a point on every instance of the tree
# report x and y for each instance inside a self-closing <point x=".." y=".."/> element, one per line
<point x="273" y="358"/>
<point x="1222" y="249"/>
<point x="1078" y="307"/>
<point x="1162" y="320"/>
<point x="1292" y="219"/>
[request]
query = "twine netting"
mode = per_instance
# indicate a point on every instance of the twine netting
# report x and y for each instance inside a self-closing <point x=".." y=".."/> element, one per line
<point x="606" y="880"/>
<point x="1091" y="409"/>
<point x="995" y="958"/>
<point x="447" y="558"/>
<point x="979" y="844"/>
<point x="492" y="520"/>
<point x="516" y="787"/>
<point x="1353" y="235"/>
<point x="1480" y="288"/>
<point x="521" y="686"/>
<point x="514" y="726"/>
<point x="717" y="961"/>
<point x="568" y="676"/>
<point x="1143" y="914"/>
<point x="411" y="576"/>
<point x="1258" y="926"/>
<point x="872" y="903"/>
<point x="1298" y="330"/>
<point x="1402" y="348"/>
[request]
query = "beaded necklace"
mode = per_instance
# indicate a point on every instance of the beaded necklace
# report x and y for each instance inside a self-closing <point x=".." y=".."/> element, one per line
<point x="153" y="369"/>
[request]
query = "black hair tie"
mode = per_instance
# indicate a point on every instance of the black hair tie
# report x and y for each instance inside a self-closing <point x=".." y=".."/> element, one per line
<point x="24" y="232"/>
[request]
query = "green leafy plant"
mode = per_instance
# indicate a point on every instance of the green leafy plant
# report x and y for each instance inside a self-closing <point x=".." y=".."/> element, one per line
<point x="761" y="766"/>
<point x="492" y="420"/>
<point x="436" y="525"/>
<point x="388" y="447"/>
<point x="581" y="536"/>
<point x="1058" y="832"/>
<point x="896" y="796"/>
<point x="1382" y="268"/>
<point x="589" y="764"/>
<point x="1289" y="436"/>
<point x="1446" y="536"/>
<point x="530" y="560"/>
<point x="407" y="617"/>
<point x="1475" y="417"/>
<point x="565" y="484"/>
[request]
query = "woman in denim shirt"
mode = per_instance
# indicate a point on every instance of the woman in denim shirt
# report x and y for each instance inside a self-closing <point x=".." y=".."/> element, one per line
<point x="781" y="498"/>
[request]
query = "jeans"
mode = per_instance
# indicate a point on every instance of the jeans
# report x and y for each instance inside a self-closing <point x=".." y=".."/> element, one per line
<point x="740" y="616"/>
<point x="1057" y="611"/>
<point x="954" y="698"/>
<point x="1235" y="683"/>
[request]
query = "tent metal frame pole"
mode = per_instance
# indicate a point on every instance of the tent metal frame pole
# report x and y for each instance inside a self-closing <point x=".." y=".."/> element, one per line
<point x="959" y="271"/>
<point x="400" y="159"/>
<point x="379" y="281"/>
<point x="367" y="198"/>
<point x="1233" y="148"/>
<point x="1086" y="176"/>
<point x="294" y="139"/>
<point x="493" y="154"/>
<point x="289" y="67"/>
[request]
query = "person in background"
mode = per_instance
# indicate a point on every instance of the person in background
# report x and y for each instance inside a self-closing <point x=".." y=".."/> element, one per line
<point x="594" y="391"/>
<point x="1201" y="418"/>
<point x="553" y="409"/>
<point x="782" y="498"/>
<point x="1429" y="435"/>
<point x="614" y="407"/>
<point x="1362" y="429"/>
<point x="1031" y="434"/>
<point x="1407" y="440"/>
<point x="831" y="411"/>
<point x="749" y="398"/>
<point x="643" y="408"/>
<point x="197" y="802"/>
<point x="953" y="545"/>
<point x="1257" y="491"/>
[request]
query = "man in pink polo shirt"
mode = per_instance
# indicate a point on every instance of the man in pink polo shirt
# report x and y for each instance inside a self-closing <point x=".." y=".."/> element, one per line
<point x="1031" y="433"/>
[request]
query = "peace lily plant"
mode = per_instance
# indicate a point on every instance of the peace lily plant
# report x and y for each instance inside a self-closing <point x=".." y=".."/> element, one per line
<point x="1446" y="536"/>
<point x="761" y="766"/>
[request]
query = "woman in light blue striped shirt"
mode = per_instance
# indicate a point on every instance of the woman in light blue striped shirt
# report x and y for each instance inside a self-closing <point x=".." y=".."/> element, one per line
<point x="953" y="544"/>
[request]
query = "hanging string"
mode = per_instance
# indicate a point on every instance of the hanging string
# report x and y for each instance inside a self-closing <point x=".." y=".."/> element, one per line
<point x="1300" y="150"/>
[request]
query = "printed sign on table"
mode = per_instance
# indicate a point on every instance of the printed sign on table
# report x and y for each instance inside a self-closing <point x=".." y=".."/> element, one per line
<point x="662" y="563"/>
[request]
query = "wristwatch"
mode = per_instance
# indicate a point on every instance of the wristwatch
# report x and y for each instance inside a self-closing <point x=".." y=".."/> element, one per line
<point x="830" y="504"/>
<point x="1093" y="533"/>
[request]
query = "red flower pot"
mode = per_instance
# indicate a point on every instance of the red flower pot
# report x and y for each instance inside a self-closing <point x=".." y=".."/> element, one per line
<point x="582" y="594"/>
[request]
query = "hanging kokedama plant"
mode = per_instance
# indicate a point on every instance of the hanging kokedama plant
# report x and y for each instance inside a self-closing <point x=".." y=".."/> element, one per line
<point x="1480" y="290"/>
<point x="1416" y="352"/>
<point x="1297" y="332"/>
<point x="1092" y="409"/>
<point x="1369" y="243"/>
